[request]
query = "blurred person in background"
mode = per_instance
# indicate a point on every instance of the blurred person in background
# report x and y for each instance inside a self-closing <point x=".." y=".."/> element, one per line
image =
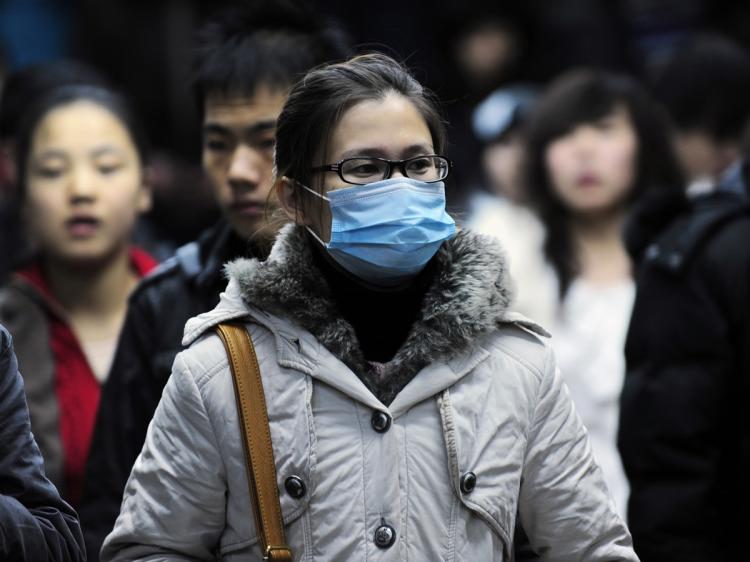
<point x="685" y="421"/>
<point x="36" y="525"/>
<point x="246" y="59"/>
<point x="19" y="90"/>
<point x="596" y="145"/>
<point x="500" y="208"/>
<point x="483" y="49"/>
<point x="80" y="158"/>
<point x="709" y="115"/>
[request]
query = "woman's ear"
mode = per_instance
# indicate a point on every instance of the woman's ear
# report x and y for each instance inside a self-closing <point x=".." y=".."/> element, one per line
<point x="289" y="200"/>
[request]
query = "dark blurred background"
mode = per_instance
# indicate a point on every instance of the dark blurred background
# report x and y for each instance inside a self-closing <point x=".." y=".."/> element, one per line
<point x="462" y="50"/>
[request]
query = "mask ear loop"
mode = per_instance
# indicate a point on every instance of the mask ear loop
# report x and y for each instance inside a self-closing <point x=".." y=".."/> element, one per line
<point x="310" y="230"/>
<point x="312" y="233"/>
<point x="303" y="186"/>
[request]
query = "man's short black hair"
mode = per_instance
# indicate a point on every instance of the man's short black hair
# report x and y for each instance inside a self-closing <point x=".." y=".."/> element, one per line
<point x="705" y="87"/>
<point x="269" y="42"/>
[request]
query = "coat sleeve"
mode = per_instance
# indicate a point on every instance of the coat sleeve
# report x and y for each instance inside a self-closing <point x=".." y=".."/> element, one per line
<point x="564" y="504"/>
<point x="174" y="504"/>
<point x="35" y="523"/>
<point x="128" y="401"/>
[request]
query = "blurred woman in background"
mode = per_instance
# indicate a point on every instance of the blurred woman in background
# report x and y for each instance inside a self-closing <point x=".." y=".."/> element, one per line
<point x="80" y="163"/>
<point x="596" y="145"/>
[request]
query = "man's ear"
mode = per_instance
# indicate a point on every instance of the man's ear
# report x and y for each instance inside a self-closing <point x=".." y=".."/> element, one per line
<point x="289" y="199"/>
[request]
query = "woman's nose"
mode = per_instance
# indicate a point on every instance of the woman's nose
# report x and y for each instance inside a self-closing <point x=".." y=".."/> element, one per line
<point x="82" y="185"/>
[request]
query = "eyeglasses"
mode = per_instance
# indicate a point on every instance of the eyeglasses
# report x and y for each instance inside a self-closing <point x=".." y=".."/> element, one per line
<point x="360" y="171"/>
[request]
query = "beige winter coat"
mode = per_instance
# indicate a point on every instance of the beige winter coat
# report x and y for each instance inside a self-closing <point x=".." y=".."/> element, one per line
<point x="485" y="398"/>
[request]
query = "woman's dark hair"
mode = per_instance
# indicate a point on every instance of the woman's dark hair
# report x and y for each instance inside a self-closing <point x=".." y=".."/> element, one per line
<point x="318" y="101"/>
<point x="576" y="98"/>
<point x="65" y="95"/>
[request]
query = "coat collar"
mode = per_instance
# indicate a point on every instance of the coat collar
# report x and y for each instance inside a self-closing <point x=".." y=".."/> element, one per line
<point x="468" y="298"/>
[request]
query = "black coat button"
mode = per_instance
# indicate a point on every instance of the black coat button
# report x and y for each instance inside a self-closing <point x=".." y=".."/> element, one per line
<point x="295" y="487"/>
<point x="380" y="421"/>
<point x="385" y="536"/>
<point x="468" y="482"/>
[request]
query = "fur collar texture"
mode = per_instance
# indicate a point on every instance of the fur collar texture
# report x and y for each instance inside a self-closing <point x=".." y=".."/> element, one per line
<point x="467" y="298"/>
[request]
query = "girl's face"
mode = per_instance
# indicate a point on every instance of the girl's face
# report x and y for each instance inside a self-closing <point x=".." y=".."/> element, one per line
<point x="391" y="128"/>
<point x="592" y="168"/>
<point x="84" y="186"/>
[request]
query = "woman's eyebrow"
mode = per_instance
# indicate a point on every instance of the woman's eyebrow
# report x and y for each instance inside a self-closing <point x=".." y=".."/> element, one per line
<point x="106" y="149"/>
<point x="416" y="149"/>
<point x="52" y="153"/>
<point x="382" y="152"/>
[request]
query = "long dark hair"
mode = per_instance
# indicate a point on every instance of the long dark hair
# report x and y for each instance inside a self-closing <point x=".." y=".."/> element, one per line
<point x="318" y="101"/>
<point x="576" y="98"/>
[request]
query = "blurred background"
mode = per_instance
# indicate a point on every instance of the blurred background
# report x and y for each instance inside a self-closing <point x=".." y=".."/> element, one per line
<point x="464" y="51"/>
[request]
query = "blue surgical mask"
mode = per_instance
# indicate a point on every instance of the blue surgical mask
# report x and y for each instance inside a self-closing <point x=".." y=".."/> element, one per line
<point x="385" y="232"/>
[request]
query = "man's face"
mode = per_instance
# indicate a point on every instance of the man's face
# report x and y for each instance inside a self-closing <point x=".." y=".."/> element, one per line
<point x="702" y="157"/>
<point x="239" y="134"/>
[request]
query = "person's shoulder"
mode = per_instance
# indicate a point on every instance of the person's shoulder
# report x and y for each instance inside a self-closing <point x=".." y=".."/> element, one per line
<point x="167" y="272"/>
<point x="698" y="229"/>
<point x="177" y="271"/>
<point x="727" y="250"/>
<point x="5" y="340"/>
<point x="524" y="341"/>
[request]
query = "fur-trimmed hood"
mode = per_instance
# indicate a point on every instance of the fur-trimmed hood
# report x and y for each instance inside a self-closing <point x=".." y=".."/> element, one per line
<point x="469" y="295"/>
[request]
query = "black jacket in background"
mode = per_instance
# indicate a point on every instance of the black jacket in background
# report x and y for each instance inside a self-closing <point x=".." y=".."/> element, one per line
<point x="182" y="287"/>
<point x="684" y="426"/>
<point x="35" y="523"/>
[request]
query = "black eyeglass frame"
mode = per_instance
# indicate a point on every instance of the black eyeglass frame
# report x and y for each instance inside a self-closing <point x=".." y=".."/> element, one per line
<point x="399" y="164"/>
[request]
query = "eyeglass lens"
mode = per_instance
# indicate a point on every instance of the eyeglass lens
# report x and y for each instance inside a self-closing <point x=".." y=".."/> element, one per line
<point x="367" y="170"/>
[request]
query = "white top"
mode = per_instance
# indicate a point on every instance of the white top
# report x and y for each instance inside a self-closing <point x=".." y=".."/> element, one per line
<point x="588" y="337"/>
<point x="588" y="328"/>
<point x="522" y="237"/>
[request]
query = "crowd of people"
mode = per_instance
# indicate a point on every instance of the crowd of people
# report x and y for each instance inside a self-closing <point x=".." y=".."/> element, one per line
<point x="541" y="356"/>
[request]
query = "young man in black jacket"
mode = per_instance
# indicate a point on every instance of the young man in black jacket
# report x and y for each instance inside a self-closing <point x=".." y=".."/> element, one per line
<point x="685" y="421"/>
<point x="35" y="523"/>
<point x="244" y="64"/>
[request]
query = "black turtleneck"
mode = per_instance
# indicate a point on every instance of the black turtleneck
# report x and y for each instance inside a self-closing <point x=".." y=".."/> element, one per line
<point x="381" y="317"/>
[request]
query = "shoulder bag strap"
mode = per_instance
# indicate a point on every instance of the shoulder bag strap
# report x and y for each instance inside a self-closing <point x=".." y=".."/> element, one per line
<point x="259" y="459"/>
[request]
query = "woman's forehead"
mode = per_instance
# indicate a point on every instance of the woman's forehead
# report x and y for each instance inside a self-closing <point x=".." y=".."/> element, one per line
<point x="78" y="124"/>
<point x="391" y="123"/>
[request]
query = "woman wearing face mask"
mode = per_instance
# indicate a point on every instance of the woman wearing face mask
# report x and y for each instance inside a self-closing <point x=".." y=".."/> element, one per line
<point x="596" y="145"/>
<point x="80" y="162"/>
<point x="412" y="414"/>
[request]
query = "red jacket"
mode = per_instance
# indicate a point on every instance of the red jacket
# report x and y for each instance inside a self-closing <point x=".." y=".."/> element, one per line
<point x="76" y="390"/>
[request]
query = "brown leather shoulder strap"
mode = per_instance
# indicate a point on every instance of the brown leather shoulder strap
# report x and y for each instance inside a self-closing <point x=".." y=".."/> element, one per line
<point x="259" y="459"/>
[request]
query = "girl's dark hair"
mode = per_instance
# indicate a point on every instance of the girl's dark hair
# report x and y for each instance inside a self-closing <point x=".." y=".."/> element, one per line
<point x="317" y="102"/>
<point x="585" y="96"/>
<point x="108" y="99"/>
<point x="24" y="86"/>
